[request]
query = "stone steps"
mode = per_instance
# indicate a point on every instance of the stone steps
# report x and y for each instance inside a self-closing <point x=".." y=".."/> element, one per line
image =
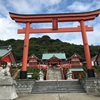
<point x="69" y="91"/>
<point x="54" y="74"/>
<point x="54" y="83"/>
<point x="57" y="87"/>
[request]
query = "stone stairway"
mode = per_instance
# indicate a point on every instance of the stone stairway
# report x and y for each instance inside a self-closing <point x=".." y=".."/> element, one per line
<point x="63" y="86"/>
<point x="54" y="74"/>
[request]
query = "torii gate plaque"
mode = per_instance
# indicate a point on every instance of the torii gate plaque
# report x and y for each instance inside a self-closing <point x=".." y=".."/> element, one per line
<point x="54" y="19"/>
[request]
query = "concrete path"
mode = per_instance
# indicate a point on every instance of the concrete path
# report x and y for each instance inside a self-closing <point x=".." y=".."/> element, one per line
<point x="63" y="96"/>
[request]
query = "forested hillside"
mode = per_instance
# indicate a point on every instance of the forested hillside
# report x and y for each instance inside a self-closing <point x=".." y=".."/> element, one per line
<point x="38" y="46"/>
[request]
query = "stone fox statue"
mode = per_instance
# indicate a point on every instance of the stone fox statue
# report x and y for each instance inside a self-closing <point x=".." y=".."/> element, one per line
<point x="7" y="84"/>
<point x="5" y="71"/>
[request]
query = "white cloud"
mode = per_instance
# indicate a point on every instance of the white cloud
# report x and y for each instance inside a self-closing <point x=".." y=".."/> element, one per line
<point x="3" y="10"/>
<point x="50" y="2"/>
<point x="24" y="6"/>
<point x="79" y="6"/>
<point x="94" y="37"/>
<point x="8" y="29"/>
<point x="32" y="6"/>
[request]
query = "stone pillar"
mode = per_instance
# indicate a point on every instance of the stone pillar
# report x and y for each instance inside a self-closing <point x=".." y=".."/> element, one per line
<point x="90" y="70"/>
<point x="23" y="73"/>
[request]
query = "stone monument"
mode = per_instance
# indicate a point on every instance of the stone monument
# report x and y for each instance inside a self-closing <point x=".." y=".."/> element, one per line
<point x="41" y="76"/>
<point x="7" y="85"/>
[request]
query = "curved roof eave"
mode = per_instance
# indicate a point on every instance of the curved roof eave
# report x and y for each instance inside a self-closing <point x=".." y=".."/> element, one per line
<point x="82" y="13"/>
<point x="47" y="17"/>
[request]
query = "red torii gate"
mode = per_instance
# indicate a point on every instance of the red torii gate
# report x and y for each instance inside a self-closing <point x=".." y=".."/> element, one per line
<point x="54" y="19"/>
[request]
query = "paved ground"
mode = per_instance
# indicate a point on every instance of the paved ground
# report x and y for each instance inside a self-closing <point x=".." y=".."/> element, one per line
<point x="63" y="96"/>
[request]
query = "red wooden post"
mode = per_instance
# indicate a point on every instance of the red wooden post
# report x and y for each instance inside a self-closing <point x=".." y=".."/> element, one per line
<point x="55" y="24"/>
<point x="46" y="73"/>
<point x="23" y="73"/>
<point x="79" y="75"/>
<point x="62" y="71"/>
<point x="90" y="70"/>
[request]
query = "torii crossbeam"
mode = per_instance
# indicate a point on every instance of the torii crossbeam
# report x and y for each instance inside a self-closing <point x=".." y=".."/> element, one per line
<point x="55" y="19"/>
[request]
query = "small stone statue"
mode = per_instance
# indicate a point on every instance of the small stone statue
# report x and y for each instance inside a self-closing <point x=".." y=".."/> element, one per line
<point x="5" y="71"/>
<point x="69" y="75"/>
<point x="41" y="76"/>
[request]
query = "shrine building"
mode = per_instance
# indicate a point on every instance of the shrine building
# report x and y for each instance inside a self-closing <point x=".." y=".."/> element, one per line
<point x="33" y="61"/>
<point x="57" y="62"/>
<point x="7" y="56"/>
<point x="54" y="59"/>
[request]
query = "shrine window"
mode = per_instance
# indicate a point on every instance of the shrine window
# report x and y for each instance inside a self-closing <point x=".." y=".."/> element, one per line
<point x="35" y="63"/>
<point x="30" y="63"/>
<point x="75" y="62"/>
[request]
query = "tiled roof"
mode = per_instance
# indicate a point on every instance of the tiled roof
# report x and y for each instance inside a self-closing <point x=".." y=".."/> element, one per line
<point x="75" y="55"/>
<point x="4" y="50"/>
<point x="49" y="55"/>
<point x="32" y="56"/>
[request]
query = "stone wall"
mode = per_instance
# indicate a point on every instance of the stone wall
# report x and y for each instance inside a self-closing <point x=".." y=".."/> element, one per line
<point x="25" y="85"/>
<point x="91" y="85"/>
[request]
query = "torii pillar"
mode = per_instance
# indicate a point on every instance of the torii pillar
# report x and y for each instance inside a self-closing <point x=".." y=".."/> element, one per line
<point x="23" y="73"/>
<point x="90" y="71"/>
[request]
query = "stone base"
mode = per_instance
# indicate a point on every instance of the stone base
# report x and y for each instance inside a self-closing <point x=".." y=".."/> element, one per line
<point x="8" y="93"/>
<point x="7" y="88"/>
<point x="23" y="74"/>
<point x="41" y="79"/>
<point x="69" y="79"/>
<point x="90" y="73"/>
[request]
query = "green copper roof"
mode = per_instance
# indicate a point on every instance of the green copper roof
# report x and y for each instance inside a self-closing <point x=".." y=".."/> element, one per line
<point x="49" y="55"/>
<point x="76" y="69"/>
<point x="4" y="51"/>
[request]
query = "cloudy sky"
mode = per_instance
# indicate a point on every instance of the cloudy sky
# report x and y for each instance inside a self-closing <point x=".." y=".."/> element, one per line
<point x="8" y="28"/>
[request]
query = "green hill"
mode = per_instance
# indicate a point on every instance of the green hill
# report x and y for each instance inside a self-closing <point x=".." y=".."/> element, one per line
<point x="38" y="46"/>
